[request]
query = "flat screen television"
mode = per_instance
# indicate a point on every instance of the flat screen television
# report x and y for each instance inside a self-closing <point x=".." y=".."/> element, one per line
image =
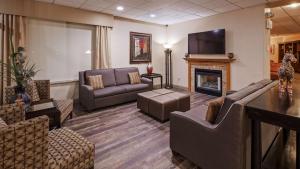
<point x="210" y="42"/>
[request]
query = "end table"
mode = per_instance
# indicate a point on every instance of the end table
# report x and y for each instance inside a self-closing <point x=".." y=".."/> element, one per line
<point x="153" y="76"/>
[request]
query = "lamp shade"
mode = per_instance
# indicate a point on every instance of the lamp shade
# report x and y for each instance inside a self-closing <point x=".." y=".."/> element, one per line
<point x="167" y="45"/>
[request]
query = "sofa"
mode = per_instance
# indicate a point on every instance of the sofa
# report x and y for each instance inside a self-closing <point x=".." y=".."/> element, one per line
<point x="117" y="88"/>
<point x="30" y="144"/>
<point x="226" y="143"/>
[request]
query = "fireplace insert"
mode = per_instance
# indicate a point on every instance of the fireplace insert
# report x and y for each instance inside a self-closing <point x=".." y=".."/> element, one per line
<point x="208" y="81"/>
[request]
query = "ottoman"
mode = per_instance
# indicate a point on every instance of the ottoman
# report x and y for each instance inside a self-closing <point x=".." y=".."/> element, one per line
<point x="183" y="101"/>
<point x="143" y="100"/>
<point x="161" y="106"/>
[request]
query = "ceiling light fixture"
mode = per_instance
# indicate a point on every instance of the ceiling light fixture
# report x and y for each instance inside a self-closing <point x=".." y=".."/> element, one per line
<point x="152" y="15"/>
<point x="120" y="8"/>
<point x="294" y="5"/>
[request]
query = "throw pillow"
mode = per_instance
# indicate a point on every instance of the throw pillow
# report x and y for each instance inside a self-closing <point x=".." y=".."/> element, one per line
<point x="33" y="92"/>
<point x="213" y="110"/>
<point x="134" y="78"/>
<point x="2" y="123"/>
<point x="96" y="82"/>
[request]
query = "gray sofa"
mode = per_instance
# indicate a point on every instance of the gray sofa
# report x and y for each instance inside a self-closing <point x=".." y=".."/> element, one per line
<point x="225" y="144"/>
<point x="117" y="88"/>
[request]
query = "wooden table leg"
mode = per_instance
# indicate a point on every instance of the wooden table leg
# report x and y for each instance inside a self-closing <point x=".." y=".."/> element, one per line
<point x="256" y="145"/>
<point x="161" y="82"/>
<point x="297" y="150"/>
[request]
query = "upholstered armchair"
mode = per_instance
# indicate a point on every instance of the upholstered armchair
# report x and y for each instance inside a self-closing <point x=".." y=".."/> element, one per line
<point x="29" y="144"/>
<point x="43" y="90"/>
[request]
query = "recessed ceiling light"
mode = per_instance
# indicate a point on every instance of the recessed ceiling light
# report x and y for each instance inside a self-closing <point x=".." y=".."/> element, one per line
<point x="294" y="5"/>
<point x="152" y="15"/>
<point x="120" y="8"/>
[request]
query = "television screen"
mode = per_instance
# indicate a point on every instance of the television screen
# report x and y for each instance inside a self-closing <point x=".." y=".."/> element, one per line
<point x="211" y="42"/>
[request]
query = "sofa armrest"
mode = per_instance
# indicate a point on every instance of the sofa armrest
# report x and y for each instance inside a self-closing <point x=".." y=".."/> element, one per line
<point x="147" y="81"/>
<point x="12" y="113"/>
<point x="86" y="96"/>
<point x="25" y="144"/>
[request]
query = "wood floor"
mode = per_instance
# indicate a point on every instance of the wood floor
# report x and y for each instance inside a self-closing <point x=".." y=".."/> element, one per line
<point x="125" y="138"/>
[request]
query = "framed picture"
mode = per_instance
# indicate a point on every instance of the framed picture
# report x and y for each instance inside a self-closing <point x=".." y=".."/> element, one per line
<point x="140" y="48"/>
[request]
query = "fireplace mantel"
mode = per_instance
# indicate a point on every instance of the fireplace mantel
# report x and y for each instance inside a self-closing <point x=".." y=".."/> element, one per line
<point x="209" y="63"/>
<point x="217" y="60"/>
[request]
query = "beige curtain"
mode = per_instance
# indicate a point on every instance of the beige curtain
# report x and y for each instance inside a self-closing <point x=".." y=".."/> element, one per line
<point x="15" y="26"/>
<point x="101" y="57"/>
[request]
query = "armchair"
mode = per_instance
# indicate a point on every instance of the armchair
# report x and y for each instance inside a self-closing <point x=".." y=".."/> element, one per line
<point x="43" y="89"/>
<point x="226" y="143"/>
<point x="29" y="144"/>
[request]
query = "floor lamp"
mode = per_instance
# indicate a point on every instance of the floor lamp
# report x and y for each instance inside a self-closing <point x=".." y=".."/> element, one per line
<point x="168" y="62"/>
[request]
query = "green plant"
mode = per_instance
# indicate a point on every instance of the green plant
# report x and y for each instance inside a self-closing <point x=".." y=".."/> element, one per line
<point x="20" y="70"/>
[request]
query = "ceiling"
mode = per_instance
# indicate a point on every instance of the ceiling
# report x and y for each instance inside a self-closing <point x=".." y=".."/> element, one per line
<point x="286" y="20"/>
<point x="165" y="11"/>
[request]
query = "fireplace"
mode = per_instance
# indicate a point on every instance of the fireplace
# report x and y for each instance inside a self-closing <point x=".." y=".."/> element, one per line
<point x="208" y="81"/>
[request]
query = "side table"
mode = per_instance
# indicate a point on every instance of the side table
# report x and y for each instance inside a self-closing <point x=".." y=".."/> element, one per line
<point x="48" y="109"/>
<point x="153" y="76"/>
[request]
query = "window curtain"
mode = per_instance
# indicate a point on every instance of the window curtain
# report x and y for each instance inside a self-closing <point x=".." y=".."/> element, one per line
<point x="15" y="26"/>
<point x="102" y="55"/>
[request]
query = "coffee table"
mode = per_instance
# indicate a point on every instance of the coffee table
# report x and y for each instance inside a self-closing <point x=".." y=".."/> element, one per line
<point x="48" y="109"/>
<point x="161" y="102"/>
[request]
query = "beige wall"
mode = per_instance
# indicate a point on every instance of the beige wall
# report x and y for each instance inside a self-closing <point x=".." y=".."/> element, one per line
<point x="120" y="44"/>
<point x="275" y="40"/>
<point x="246" y="37"/>
<point x="49" y="11"/>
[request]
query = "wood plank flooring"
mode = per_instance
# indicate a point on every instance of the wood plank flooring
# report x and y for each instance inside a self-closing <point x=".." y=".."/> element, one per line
<point x="125" y="138"/>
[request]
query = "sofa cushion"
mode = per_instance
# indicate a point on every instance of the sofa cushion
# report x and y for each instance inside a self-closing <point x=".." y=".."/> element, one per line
<point x="134" y="87"/>
<point x="109" y="91"/>
<point x="96" y="82"/>
<point x="134" y="78"/>
<point x="108" y="76"/>
<point x="121" y="75"/>
<point x="198" y="113"/>
<point x="230" y="99"/>
<point x="214" y="107"/>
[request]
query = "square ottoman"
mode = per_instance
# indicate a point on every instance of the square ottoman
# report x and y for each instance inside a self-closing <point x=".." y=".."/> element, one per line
<point x="183" y="100"/>
<point x="161" y="106"/>
<point x="143" y="100"/>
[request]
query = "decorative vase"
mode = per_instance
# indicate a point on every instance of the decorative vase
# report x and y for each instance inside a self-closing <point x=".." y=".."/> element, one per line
<point x="230" y="55"/>
<point x="21" y="94"/>
<point x="149" y="68"/>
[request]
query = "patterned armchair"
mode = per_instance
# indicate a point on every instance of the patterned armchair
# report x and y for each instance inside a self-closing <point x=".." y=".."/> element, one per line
<point x="29" y="144"/>
<point x="43" y="90"/>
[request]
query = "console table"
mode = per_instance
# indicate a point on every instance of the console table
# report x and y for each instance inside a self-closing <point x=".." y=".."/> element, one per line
<point x="152" y="76"/>
<point x="277" y="109"/>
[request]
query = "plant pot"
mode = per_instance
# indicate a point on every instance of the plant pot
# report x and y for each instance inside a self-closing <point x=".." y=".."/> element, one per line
<point x="21" y="94"/>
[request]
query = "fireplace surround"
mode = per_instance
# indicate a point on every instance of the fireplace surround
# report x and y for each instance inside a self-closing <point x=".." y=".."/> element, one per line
<point x="222" y="64"/>
<point x="208" y="81"/>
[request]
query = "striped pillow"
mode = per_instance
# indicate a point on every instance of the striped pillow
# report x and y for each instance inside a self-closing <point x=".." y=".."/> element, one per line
<point x="33" y="91"/>
<point x="96" y="82"/>
<point x="134" y="78"/>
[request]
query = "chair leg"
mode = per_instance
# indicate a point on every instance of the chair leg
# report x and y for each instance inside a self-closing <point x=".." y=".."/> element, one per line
<point x="71" y="115"/>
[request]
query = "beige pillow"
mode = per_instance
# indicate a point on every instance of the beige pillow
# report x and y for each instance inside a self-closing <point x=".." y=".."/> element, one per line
<point x="96" y="82"/>
<point x="213" y="110"/>
<point x="134" y="78"/>
<point x="34" y="94"/>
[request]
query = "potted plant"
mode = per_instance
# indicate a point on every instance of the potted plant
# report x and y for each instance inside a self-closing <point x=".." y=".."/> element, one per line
<point x="21" y="71"/>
